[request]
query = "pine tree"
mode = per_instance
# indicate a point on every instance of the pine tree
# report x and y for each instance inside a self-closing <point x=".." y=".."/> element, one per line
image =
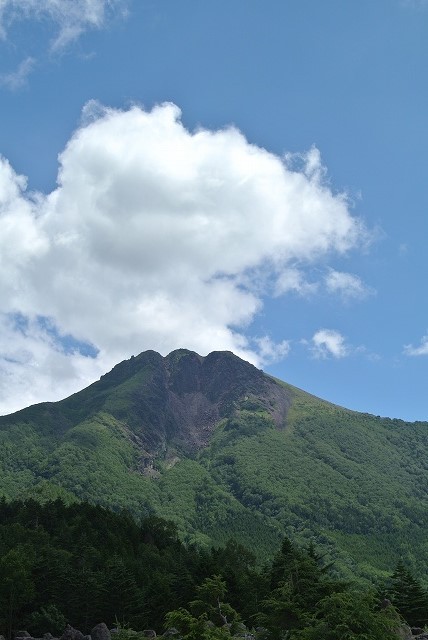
<point x="408" y="596"/>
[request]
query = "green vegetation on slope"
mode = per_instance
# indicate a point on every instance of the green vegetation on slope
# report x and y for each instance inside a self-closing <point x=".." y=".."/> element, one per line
<point x="355" y="484"/>
<point x="353" y="481"/>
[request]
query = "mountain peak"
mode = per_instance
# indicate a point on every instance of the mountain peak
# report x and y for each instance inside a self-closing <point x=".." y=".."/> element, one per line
<point x="177" y="399"/>
<point x="168" y="403"/>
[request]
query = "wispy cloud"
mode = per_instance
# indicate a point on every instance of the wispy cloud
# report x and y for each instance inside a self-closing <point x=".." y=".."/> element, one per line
<point x="294" y="280"/>
<point x="415" y="4"/>
<point x="18" y="79"/>
<point x="69" y="18"/>
<point x="421" y="350"/>
<point x="347" y="285"/>
<point x="270" y="351"/>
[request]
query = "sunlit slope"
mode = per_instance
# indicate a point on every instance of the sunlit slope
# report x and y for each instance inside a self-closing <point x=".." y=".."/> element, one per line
<point x="224" y="450"/>
<point x="355" y="481"/>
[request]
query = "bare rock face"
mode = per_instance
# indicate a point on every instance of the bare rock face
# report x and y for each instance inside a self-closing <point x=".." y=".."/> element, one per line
<point x="172" y="633"/>
<point x="100" y="632"/>
<point x="404" y="632"/>
<point x="169" y="404"/>
<point x="72" y="634"/>
<point x="183" y="396"/>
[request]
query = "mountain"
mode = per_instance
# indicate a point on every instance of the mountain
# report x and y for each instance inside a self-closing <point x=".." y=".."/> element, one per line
<point x="225" y="450"/>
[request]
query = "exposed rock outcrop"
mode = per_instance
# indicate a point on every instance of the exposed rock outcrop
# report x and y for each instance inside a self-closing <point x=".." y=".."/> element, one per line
<point x="100" y="632"/>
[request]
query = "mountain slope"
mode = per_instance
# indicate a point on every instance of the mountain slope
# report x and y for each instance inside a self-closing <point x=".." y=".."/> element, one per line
<point x="225" y="450"/>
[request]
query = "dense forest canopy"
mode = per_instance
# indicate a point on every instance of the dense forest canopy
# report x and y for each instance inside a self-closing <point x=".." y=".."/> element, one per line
<point x="82" y="564"/>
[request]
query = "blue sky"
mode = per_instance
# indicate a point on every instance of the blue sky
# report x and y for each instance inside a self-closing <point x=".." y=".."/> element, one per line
<point x="237" y="175"/>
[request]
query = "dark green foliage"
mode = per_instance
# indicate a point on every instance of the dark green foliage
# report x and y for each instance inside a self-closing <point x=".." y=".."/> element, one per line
<point x="82" y="564"/>
<point x="209" y="616"/>
<point x="192" y="628"/>
<point x="210" y="601"/>
<point x="298" y="582"/>
<point x="349" y="615"/>
<point x="246" y="587"/>
<point x="408" y="596"/>
<point x="17" y="588"/>
<point x="49" y="617"/>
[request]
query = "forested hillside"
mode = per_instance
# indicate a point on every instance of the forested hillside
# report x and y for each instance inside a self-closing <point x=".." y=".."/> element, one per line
<point x="83" y="564"/>
<point x="223" y="450"/>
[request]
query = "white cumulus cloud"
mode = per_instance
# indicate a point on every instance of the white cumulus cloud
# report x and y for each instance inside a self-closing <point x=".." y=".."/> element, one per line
<point x="329" y="343"/>
<point x="34" y="367"/>
<point x="148" y="242"/>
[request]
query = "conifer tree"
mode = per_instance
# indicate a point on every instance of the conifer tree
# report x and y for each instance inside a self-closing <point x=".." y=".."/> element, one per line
<point x="298" y="583"/>
<point x="409" y="597"/>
